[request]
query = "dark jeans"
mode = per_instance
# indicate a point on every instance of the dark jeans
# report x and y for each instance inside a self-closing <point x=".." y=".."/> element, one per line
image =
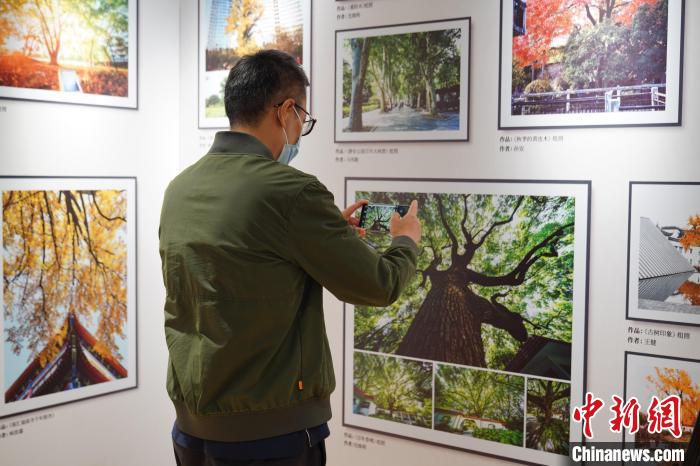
<point x="311" y="456"/>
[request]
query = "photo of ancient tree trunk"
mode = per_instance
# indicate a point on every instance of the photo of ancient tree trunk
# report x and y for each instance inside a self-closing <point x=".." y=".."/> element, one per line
<point x="591" y="62"/>
<point x="548" y="404"/>
<point x="230" y="29"/>
<point x="498" y="306"/>
<point x="405" y="82"/>
<point x="393" y="389"/>
<point x="495" y="276"/>
<point x="66" y="256"/>
<point x="69" y="51"/>
<point x="664" y="268"/>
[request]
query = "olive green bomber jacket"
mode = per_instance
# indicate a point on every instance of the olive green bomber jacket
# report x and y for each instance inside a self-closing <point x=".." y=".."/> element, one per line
<point x="247" y="244"/>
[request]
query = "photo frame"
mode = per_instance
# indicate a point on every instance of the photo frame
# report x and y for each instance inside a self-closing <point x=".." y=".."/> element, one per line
<point x="380" y="97"/>
<point x="648" y="375"/>
<point x="546" y="81"/>
<point x="280" y="24"/>
<point x="400" y="331"/>
<point x="663" y="266"/>
<point x="69" y="290"/>
<point x="65" y="65"/>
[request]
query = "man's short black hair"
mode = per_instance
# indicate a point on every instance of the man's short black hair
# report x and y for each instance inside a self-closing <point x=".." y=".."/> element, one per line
<point x="259" y="80"/>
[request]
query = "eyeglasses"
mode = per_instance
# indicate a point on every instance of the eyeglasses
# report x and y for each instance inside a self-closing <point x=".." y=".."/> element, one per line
<point x="309" y="122"/>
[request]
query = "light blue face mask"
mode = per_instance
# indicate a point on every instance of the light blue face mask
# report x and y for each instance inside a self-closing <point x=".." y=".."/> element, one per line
<point x="289" y="151"/>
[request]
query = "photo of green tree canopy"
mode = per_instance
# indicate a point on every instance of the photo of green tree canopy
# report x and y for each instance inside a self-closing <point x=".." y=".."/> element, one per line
<point x="494" y="285"/>
<point x="480" y="404"/>
<point x="548" y="404"/>
<point x="402" y="82"/>
<point x="393" y="389"/>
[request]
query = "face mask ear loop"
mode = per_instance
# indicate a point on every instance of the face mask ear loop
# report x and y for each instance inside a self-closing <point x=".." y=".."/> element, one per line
<point x="286" y="139"/>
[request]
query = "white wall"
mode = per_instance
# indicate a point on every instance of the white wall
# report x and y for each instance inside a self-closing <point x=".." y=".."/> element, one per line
<point x="153" y="143"/>
<point x="131" y="427"/>
<point x="609" y="157"/>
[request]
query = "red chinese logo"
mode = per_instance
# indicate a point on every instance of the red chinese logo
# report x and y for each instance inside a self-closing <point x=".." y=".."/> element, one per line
<point x="587" y="412"/>
<point x="662" y="415"/>
<point x="665" y="415"/>
<point x="626" y="415"/>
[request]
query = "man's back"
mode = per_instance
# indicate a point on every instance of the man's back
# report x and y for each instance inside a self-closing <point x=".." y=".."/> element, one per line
<point x="246" y="245"/>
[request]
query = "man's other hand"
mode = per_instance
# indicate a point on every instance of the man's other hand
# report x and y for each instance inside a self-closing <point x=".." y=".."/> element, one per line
<point x="408" y="225"/>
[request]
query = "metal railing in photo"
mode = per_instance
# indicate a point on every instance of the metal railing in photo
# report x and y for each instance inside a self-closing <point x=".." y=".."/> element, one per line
<point x="642" y="97"/>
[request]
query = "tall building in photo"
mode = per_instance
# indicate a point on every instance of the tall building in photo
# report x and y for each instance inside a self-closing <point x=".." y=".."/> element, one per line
<point x="279" y="14"/>
<point x="218" y="14"/>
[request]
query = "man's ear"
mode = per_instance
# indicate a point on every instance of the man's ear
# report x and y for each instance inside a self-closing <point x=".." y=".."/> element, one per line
<point x="283" y="112"/>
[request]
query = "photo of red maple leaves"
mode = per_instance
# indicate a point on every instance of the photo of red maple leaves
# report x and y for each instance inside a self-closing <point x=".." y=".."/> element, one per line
<point x="590" y="62"/>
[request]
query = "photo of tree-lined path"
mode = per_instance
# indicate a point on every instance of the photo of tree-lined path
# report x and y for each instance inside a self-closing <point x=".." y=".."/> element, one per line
<point x="587" y="56"/>
<point x="64" y="253"/>
<point x="494" y="285"/>
<point x="402" y="82"/>
<point x="65" y="45"/>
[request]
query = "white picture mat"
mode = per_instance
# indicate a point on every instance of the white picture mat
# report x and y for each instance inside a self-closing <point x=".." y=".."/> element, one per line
<point x="56" y="184"/>
<point x="462" y="133"/>
<point x="223" y="123"/>
<point x="130" y="101"/>
<point x="660" y="202"/>
<point x="673" y="91"/>
<point x="580" y="192"/>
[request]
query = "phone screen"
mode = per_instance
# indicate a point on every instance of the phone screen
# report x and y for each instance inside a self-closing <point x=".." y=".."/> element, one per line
<point x="375" y="217"/>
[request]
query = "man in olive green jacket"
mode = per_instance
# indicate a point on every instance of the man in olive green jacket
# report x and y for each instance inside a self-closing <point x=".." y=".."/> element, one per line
<point x="247" y="243"/>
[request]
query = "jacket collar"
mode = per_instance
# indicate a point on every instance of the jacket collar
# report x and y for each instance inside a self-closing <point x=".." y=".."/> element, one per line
<point x="234" y="142"/>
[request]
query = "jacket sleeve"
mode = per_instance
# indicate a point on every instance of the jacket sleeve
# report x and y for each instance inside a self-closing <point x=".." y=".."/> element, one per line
<point x="332" y="253"/>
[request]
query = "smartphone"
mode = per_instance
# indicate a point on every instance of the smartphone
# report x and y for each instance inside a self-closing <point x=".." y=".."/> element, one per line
<point x="375" y="217"/>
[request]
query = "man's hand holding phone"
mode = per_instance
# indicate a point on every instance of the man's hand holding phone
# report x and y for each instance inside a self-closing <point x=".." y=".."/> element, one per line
<point x="408" y="225"/>
<point x="352" y="220"/>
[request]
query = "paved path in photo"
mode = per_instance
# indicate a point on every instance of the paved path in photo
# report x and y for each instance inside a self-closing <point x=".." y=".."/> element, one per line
<point x="406" y="119"/>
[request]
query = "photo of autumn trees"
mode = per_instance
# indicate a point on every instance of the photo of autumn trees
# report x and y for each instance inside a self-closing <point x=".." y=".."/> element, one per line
<point x="493" y="287"/>
<point x="406" y="80"/>
<point x="587" y="56"/>
<point x="64" y="278"/>
<point x="230" y="29"/>
<point x="71" y="47"/>
<point x="660" y="376"/>
<point x="393" y="389"/>
<point x="481" y="404"/>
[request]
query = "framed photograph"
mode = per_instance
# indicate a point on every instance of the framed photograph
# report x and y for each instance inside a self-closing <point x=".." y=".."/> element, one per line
<point x="663" y="278"/>
<point x="229" y="29"/>
<point x="590" y="63"/>
<point x="497" y="308"/>
<point x="649" y="375"/>
<point x="407" y="82"/>
<point x="69" y="290"/>
<point x="71" y="52"/>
